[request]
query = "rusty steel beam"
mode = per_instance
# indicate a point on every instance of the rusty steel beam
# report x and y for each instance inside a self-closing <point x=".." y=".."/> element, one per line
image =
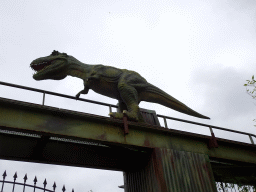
<point x="233" y="172"/>
<point x="49" y="150"/>
<point x="50" y="121"/>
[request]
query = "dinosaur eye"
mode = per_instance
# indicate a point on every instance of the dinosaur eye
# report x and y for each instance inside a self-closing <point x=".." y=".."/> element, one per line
<point x="55" y="53"/>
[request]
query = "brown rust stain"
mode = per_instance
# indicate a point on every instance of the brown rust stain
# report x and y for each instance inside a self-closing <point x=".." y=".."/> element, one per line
<point x="159" y="173"/>
<point x="102" y="136"/>
<point x="147" y="142"/>
<point x="54" y="124"/>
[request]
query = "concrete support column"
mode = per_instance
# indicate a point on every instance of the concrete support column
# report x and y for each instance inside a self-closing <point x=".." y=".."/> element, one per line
<point x="170" y="170"/>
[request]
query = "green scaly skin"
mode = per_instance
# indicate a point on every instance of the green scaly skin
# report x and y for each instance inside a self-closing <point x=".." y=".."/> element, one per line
<point x="128" y="87"/>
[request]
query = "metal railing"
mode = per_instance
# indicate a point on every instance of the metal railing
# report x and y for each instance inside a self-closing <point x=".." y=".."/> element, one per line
<point x="211" y="127"/>
<point x="25" y="185"/>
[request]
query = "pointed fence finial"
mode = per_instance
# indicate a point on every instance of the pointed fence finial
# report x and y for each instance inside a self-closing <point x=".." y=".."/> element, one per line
<point x="35" y="180"/>
<point x="4" y="175"/>
<point x="45" y="183"/>
<point x="54" y="186"/>
<point x="15" y="176"/>
<point x="63" y="188"/>
<point x="25" y="178"/>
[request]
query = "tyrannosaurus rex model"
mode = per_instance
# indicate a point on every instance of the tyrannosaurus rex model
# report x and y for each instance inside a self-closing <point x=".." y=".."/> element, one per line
<point x="128" y="87"/>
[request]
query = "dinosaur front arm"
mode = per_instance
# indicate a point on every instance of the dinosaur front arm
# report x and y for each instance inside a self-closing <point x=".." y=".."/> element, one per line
<point x="92" y="76"/>
<point x="84" y="91"/>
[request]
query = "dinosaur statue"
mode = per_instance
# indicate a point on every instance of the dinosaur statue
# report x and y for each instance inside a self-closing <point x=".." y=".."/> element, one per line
<point x="128" y="87"/>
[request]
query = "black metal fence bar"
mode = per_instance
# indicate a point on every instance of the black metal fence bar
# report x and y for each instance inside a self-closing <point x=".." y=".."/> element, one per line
<point x="236" y="187"/>
<point x="24" y="184"/>
<point x="14" y="183"/>
<point x="27" y="185"/>
<point x="2" y="185"/>
<point x="3" y="181"/>
<point x="115" y="106"/>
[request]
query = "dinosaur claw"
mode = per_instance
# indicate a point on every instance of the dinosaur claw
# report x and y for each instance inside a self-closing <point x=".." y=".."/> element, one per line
<point x="77" y="96"/>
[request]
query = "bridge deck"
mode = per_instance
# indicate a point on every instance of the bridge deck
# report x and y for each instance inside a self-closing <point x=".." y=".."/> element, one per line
<point x="54" y="122"/>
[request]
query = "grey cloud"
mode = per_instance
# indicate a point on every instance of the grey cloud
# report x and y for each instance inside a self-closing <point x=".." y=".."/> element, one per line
<point x="224" y="92"/>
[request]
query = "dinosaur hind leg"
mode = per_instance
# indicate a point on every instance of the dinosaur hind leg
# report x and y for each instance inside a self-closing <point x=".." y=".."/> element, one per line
<point x="121" y="106"/>
<point x="129" y="96"/>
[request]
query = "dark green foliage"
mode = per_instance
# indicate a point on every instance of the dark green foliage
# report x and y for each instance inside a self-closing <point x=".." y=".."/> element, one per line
<point x="251" y="89"/>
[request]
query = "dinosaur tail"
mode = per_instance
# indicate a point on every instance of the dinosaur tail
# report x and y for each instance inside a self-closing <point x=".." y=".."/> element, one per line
<point x="156" y="95"/>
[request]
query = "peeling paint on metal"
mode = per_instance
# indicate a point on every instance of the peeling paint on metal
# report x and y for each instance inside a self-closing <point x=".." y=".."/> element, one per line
<point x="187" y="172"/>
<point x="170" y="170"/>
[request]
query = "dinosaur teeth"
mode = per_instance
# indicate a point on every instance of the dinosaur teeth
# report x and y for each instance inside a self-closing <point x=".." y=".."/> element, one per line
<point x="40" y="66"/>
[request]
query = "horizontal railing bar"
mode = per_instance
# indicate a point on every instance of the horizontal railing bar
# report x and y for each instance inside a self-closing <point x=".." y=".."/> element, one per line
<point x="205" y="125"/>
<point x="56" y="94"/>
<point x="27" y="185"/>
<point x="107" y="104"/>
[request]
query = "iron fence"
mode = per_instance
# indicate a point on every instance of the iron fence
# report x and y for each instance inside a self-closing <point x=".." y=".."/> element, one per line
<point x="25" y="185"/>
<point x="211" y="127"/>
<point x="231" y="187"/>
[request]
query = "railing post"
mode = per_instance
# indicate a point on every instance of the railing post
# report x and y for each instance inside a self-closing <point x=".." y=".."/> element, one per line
<point x="43" y="98"/>
<point x="110" y="109"/>
<point x="251" y="139"/>
<point x="213" y="141"/>
<point x="165" y="123"/>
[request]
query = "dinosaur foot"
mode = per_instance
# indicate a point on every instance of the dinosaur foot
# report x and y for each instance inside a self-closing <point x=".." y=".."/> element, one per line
<point x="129" y="115"/>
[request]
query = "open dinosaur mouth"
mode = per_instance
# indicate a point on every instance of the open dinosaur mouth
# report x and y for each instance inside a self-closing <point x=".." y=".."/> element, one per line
<point x="40" y="66"/>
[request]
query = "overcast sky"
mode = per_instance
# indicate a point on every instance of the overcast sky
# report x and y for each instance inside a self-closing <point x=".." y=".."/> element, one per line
<point x="200" y="52"/>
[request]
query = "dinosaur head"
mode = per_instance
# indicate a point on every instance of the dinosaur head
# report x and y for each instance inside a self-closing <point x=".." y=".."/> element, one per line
<point x="54" y="66"/>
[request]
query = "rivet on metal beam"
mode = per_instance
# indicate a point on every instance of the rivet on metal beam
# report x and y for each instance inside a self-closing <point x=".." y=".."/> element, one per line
<point x="251" y="139"/>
